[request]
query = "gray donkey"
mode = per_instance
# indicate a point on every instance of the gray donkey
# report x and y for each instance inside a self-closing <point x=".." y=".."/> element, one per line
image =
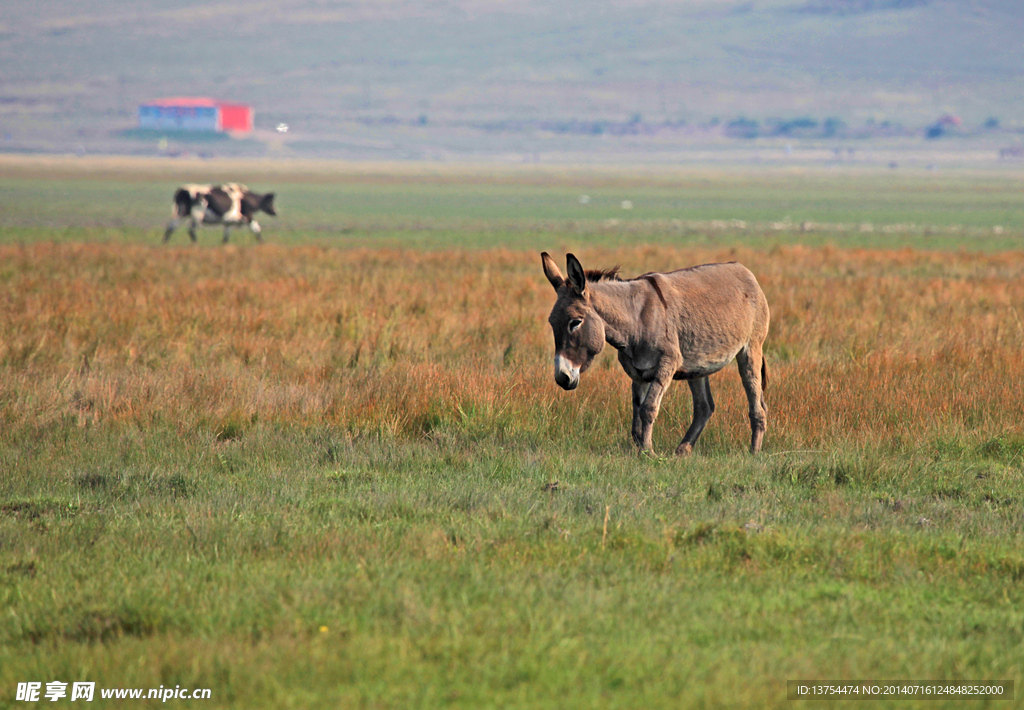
<point x="683" y="325"/>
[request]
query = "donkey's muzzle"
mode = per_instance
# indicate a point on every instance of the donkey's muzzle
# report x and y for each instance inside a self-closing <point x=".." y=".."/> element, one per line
<point x="566" y="383"/>
<point x="566" y="375"/>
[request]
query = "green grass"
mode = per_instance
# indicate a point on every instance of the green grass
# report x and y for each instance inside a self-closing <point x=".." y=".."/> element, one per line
<point x="181" y="136"/>
<point x="306" y="568"/>
<point x="762" y="208"/>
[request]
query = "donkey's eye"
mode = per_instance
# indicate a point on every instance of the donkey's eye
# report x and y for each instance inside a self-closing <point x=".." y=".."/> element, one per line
<point x="575" y="324"/>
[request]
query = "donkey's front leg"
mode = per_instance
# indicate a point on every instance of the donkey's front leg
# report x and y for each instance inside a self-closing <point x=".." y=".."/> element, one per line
<point x="646" y="403"/>
<point x="640" y="390"/>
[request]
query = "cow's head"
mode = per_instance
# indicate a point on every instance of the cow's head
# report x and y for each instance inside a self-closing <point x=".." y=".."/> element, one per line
<point x="267" y="204"/>
<point x="253" y="203"/>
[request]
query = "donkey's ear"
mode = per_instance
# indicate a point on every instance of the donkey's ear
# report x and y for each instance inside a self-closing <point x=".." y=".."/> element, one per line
<point x="551" y="271"/>
<point x="576" y="275"/>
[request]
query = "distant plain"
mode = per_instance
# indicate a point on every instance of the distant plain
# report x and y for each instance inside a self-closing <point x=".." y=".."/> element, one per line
<point x="586" y="80"/>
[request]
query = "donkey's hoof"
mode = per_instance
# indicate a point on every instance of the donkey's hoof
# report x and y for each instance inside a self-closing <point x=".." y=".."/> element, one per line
<point x="684" y="449"/>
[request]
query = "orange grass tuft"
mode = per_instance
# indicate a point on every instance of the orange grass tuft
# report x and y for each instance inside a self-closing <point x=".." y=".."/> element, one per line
<point x="866" y="347"/>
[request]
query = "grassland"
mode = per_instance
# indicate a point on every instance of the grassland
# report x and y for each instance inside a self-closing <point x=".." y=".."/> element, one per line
<point x="334" y="471"/>
<point x="436" y="206"/>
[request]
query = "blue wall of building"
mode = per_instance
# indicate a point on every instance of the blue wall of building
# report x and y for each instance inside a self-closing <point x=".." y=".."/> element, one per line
<point x="180" y="118"/>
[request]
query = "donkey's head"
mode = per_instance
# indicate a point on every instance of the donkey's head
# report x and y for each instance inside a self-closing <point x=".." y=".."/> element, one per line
<point x="579" y="331"/>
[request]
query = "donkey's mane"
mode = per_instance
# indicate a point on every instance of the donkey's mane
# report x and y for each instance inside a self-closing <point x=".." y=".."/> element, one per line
<point x="611" y="274"/>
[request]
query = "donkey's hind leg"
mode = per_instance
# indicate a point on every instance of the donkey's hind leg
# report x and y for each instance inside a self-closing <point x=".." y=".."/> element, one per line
<point x="752" y="367"/>
<point x="703" y="408"/>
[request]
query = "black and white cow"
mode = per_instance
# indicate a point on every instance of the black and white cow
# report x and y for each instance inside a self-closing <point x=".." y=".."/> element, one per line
<point x="230" y="204"/>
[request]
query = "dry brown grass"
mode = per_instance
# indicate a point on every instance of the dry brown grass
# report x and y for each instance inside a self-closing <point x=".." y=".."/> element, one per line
<point x="897" y="349"/>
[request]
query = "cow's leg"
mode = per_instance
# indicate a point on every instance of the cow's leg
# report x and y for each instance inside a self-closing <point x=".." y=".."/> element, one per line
<point x="171" y="226"/>
<point x="192" y="230"/>
<point x="703" y="408"/>
<point x="227" y="232"/>
<point x="751" y="362"/>
<point x="646" y="405"/>
<point x="254" y="227"/>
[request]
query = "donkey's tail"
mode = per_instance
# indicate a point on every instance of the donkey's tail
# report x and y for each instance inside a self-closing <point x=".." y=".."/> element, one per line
<point x="764" y="373"/>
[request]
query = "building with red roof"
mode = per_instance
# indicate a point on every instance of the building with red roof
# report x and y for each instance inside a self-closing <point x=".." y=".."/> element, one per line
<point x="195" y="114"/>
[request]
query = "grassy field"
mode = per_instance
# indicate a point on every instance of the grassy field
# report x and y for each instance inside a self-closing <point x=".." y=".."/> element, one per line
<point x="428" y="206"/>
<point x="335" y="471"/>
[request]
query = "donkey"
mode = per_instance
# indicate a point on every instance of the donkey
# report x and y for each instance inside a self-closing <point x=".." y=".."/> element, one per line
<point x="682" y="325"/>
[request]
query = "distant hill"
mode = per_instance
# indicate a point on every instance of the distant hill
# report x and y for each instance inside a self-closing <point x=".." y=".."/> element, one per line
<point x="397" y="78"/>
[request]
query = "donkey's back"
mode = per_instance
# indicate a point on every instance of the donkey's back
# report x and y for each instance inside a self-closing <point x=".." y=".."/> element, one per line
<point x="713" y="311"/>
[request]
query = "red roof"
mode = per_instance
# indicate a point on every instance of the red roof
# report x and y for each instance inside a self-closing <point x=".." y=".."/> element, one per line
<point x="183" y="101"/>
<point x="192" y="101"/>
